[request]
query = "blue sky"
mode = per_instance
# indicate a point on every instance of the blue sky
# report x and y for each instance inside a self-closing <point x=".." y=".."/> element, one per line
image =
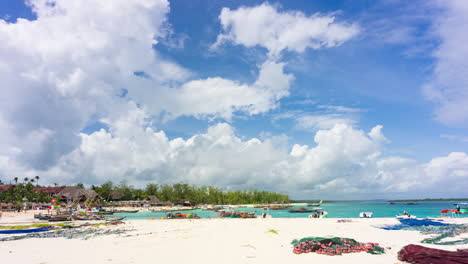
<point x="314" y="93"/>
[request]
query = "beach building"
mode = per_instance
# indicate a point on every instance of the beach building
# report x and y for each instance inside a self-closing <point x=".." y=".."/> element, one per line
<point x="5" y="187"/>
<point x="51" y="191"/>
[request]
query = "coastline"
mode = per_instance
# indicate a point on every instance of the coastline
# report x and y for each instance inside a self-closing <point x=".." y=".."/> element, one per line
<point x="215" y="241"/>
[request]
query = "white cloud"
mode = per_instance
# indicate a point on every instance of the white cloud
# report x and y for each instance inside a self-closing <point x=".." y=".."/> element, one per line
<point x="344" y="162"/>
<point x="322" y="121"/>
<point x="277" y="31"/>
<point x="448" y="88"/>
<point x="219" y="97"/>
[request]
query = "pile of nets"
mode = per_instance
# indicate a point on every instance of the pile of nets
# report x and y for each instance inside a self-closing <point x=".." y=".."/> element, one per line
<point x="334" y="246"/>
<point x="409" y="223"/>
<point x="422" y="255"/>
<point x="84" y="231"/>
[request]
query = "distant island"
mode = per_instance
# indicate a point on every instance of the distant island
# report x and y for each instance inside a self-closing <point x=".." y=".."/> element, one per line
<point x="430" y="200"/>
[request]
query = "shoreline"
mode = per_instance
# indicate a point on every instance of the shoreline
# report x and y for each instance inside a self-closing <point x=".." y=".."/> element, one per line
<point x="219" y="240"/>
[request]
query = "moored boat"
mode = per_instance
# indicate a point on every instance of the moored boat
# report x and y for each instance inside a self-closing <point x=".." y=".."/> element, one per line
<point x="301" y="210"/>
<point x="366" y="214"/>
<point x="411" y="203"/>
<point x="315" y="204"/>
<point x="405" y="215"/>
<point x="462" y="208"/>
<point x="318" y="213"/>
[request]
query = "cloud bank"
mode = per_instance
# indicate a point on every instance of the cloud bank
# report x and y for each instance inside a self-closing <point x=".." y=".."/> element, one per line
<point x="82" y="62"/>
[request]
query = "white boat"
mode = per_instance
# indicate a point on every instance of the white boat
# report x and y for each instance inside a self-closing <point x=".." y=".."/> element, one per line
<point x="365" y="214"/>
<point x="318" y="213"/>
<point x="405" y="215"/>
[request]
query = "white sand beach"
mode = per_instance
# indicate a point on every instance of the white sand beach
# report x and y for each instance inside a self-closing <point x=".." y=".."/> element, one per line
<point x="214" y="241"/>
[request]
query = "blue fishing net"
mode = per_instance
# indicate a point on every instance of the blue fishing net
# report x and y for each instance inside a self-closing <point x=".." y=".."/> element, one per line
<point x="406" y="223"/>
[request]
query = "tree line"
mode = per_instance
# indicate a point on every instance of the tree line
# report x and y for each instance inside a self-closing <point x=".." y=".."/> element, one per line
<point x="183" y="191"/>
<point x="108" y="191"/>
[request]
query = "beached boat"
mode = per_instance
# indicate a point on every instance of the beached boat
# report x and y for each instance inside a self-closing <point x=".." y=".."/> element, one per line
<point x="58" y="218"/>
<point x="301" y="210"/>
<point x="462" y="208"/>
<point x="365" y="214"/>
<point x="318" y="213"/>
<point x="126" y="211"/>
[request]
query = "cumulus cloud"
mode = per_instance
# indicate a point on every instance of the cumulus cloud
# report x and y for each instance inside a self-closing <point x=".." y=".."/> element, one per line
<point x="220" y="97"/>
<point x="66" y="69"/>
<point x="341" y="162"/>
<point x="448" y="88"/>
<point x="266" y="26"/>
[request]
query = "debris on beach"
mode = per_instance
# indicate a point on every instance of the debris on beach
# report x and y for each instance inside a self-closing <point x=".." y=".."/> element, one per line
<point x="416" y="254"/>
<point x="83" y="231"/>
<point x="334" y="246"/>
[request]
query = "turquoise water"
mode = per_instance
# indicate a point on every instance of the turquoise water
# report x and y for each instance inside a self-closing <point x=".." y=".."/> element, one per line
<point x="335" y="210"/>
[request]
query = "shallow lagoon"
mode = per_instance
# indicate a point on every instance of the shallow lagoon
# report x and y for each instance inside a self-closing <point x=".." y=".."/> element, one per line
<point x="339" y="209"/>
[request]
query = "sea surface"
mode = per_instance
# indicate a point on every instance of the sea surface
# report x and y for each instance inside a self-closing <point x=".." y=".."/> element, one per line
<point x="338" y="209"/>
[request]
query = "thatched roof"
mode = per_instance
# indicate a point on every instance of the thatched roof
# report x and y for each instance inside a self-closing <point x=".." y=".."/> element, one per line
<point x="76" y="193"/>
<point x="153" y="199"/>
<point x="116" y="194"/>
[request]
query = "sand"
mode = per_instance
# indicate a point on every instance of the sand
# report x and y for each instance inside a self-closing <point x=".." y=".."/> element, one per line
<point x="213" y="241"/>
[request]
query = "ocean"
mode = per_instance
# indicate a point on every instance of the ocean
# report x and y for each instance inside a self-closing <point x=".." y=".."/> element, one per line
<point x="338" y="209"/>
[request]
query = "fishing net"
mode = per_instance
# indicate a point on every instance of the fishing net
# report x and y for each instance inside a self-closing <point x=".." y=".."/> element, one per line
<point x="84" y="231"/>
<point x="334" y="246"/>
<point x="408" y="223"/>
<point x="443" y="232"/>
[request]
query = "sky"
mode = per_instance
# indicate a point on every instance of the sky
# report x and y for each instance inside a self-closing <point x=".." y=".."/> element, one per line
<point x="316" y="99"/>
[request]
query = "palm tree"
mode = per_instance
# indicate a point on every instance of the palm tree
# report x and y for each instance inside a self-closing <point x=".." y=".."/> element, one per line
<point x="37" y="179"/>
<point x="15" y="179"/>
<point x="26" y="179"/>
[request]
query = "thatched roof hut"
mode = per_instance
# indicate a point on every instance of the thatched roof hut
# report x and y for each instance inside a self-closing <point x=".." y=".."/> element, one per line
<point x="184" y="202"/>
<point x="154" y="200"/>
<point x="76" y="193"/>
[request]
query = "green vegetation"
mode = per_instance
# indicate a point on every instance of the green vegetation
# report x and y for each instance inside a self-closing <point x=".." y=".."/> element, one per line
<point x="183" y="191"/>
<point x="430" y="200"/>
<point x="22" y="192"/>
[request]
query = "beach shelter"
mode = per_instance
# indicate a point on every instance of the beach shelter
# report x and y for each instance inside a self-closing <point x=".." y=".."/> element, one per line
<point x="76" y="194"/>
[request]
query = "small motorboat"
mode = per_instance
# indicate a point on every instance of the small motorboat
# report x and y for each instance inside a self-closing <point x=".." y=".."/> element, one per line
<point x="365" y="214"/>
<point x="318" y="213"/>
<point x="405" y="215"/>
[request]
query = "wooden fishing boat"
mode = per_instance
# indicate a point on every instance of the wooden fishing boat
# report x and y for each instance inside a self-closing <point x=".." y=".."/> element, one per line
<point x="301" y="210"/>
<point x="126" y="211"/>
<point x="58" y="218"/>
